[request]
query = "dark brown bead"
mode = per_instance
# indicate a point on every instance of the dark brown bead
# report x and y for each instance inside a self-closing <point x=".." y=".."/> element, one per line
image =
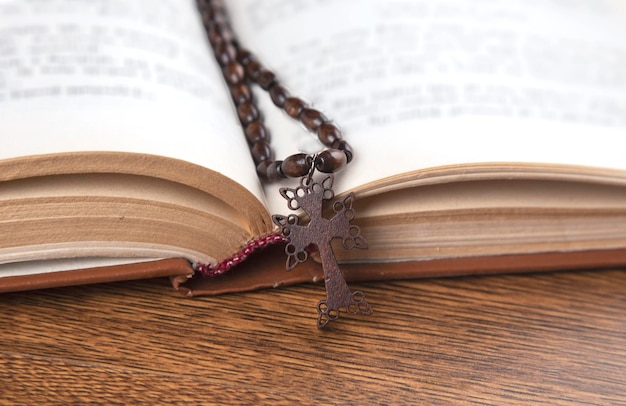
<point x="256" y="131"/>
<point x="219" y="32"/>
<point x="241" y="93"/>
<point x="270" y="171"/>
<point x="247" y="113"/>
<point x="261" y="169"/>
<point x="330" y="160"/>
<point x="225" y="52"/>
<point x="312" y="119"/>
<point x="233" y="73"/>
<point x="296" y="165"/>
<point x="274" y="171"/>
<point x="244" y="56"/>
<point x="262" y="151"/>
<point x="266" y="79"/>
<point x="211" y="16"/>
<point x="278" y="94"/>
<point x="253" y="69"/>
<point x="343" y="145"/>
<point x="207" y="14"/>
<point x="217" y="5"/>
<point x="294" y="106"/>
<point x="328" y="134"/>
<point x="217" y="8"/>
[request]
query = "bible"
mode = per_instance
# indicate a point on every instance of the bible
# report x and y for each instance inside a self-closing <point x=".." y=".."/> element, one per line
<point x="489" y="138"/>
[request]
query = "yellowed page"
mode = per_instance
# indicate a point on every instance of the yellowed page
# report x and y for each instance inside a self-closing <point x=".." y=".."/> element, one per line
<point x="129" y="77"/>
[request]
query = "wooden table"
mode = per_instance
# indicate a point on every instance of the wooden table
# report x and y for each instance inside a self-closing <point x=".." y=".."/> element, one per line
<point x="557" y="338"/>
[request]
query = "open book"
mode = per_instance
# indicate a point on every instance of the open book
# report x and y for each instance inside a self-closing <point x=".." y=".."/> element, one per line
<point x="488" y="136"/>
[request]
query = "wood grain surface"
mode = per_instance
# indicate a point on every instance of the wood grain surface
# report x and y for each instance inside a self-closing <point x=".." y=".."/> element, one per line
<point x="557" y="338"/>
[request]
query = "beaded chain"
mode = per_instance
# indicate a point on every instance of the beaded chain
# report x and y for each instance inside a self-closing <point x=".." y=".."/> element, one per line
<point x="240" y="68"/>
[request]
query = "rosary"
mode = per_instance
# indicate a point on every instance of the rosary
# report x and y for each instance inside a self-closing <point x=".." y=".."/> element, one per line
<point x="241" y="69"/>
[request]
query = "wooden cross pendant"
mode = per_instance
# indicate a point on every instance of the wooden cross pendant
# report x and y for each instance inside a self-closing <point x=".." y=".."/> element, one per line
<point x="319" y="231"/>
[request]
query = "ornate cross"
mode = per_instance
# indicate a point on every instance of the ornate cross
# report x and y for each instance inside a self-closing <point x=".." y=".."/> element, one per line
<point x="319" y="231"/>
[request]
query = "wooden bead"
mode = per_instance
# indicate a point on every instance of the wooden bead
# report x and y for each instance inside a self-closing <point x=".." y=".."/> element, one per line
<point x="343" y="145"/>
<point x="270" y="170"/>
<point x="274" y="171"/>
<point x="247" y="113"/>
<point x="244" y="56"/>
<point x="256" y="131"/>
<point x="328" y="134"/>
<point x="253" y="69"/>
<point x="241" y="93"/>
<point x="294" y="106"/>
<point x="219" y="32"/>
<point x="211" y="16"/>
<point x="261" y="151"/>
<point x="261" y="169"/>
<point x="330" y="160"/>
<point x="278" y="94"/>
<point x="296" y="165"/>
<point x="233" y="73"/>
<point x="312" y="119"/>
<point x="225" y="52"/>
<point x="266" y="79"/>
<point x="218" y="5"/>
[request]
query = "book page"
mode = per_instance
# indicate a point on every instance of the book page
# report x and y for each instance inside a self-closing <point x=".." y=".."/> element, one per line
<point x="111" y="75"/>
<point x="420" y="83"/>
